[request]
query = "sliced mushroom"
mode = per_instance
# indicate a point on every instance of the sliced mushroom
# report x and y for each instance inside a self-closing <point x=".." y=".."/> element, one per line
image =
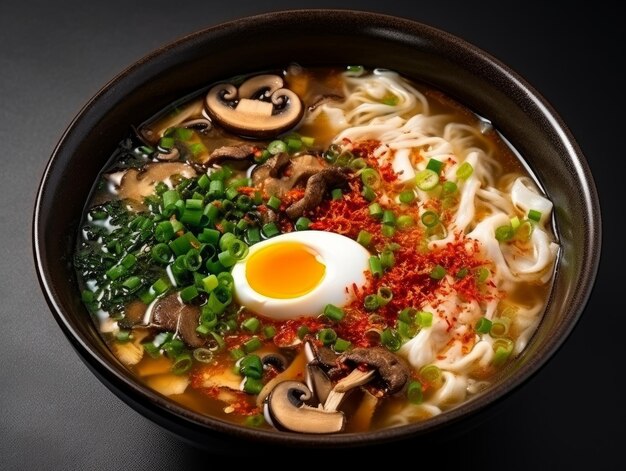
<point x="172" y="154"/>
<point x="316" y="187"/>
<point x="240" y="152"/>
<point x="277" y="163"/>
<point x="172" y="315"/>
<point x="320" y="355"/>
<point x="287" y="409"/>
<point x="259" y="108"/>
<point x="292" y="372"/>
<point x="275" y="360"/>
<point x="152" y="131"/>
<point x="390" y="368"/>
<point x="298" y="170"/>
<point x="318" y="382"/>
<point x="137" y="184"/>
<point x="355" y="379"/>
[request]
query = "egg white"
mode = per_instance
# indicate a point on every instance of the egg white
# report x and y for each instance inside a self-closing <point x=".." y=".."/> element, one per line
<point x="345" y="261"/>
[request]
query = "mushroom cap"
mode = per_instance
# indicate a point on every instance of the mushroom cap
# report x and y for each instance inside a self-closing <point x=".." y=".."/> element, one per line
<point x="171" y="314"/>
<point x="259" y="108"/>
<point x="285" y="406"/>
<point x="391" y="369"/>
<point x="316" y="187"/>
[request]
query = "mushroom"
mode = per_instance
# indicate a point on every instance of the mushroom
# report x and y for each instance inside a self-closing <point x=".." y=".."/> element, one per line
<point x="240" y="152"/>
<point x="288" y="174"/>
<point x="316" y="188"/>
<point x="287" y="409"/>
<point x="274" y="360"/>
<point x="172" y="315"/>
<point x="391" y="370"/>
<point x="137" y="184"/>
<point x="355" y="379"/>
<point x="151" y="132"/>
<point x="318" y="382"/>
<point x="259" y="108"/>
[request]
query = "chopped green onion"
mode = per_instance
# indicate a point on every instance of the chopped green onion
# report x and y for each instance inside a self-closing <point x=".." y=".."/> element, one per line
<point x="424" y="318"/>
<point x="387" y="258"/>
<point x="166" y="142"/>
<point x="371" y="178"/>
<point x="364" y="238"/>
<point x="462" y="273"/>
<point x="307" y="140"/>
<point x="333" y="312"/>
<point x="252" y="386"/>
<point x="203" y="329"/>
<point x="294" y="144"/>
<point x="384" y="295"/>
<point x="464" y="171"/>
<point x="344" y="158"/>
<point x="132" y="283"/>
<point x="129" y="261"/>
<point x="426" y="180"/>
<point x="358" y="164"/>
<point x="160" y="286"/>
<point x="407" y="197"/>
<point x="164" y="231"/>
<point x="256" y="420"/>
<point x="251" y="325"/>
<point x="216" y="189"/>
<point x="504" y="233"/>
<point x="405" y="221"/>
<point x="211" y="212"/>
<point x="414" y="392"/>
<point x="192" y="260"/>
<point x="237" y="353"/>
<point x="341" y="345"/>
<point x="430" y="219"/>
<point x="407" y="315"/>
<point x="238" y="249"/>
<point x="524" y="231"/>
<point x="274" y="203"/>
<point x="161" y="253"/>
<point x="182" y="364"/>
<point x="499" y="327"/>
<point x="189" y="294"/>
<point x="302" y="331"/>
<point x="269" y="331"/>
<point x="434" y="165"/>
<point x="438" y="272"/>
<point x="270" y="230"/>
<point x="181" y="245"/>
<point x="534" y="215"/>
<point x="431" y="374"/>
<point x="276" y="147"/>
<point x="376" y="266"/>
<point x="302" y="224"/>
<point x="483" y="326"/>
<point x="515" y="223"/>
<point x="253" y="235"/>
<point x="336" y="194"/>
<point x="252" y="344"/>
<point x="387" y="230"/>
<point x="389" y="218"/>
<point x="368" y="193"/>
<point x="251" y="366"/>
<point x="391" y="340"/>
<point x="371" y="302"/>
<point x="115" y="272"/>
<point x="327" y="336"/>
<point x="376" y="211"/>
<point x="123" y="336"/>
<point x="503" y="348"/>
<point x="482" y="274"/>
<point x="449" y="187"/>
<point x="226" y="259"/>
<point x="203" y="355"/>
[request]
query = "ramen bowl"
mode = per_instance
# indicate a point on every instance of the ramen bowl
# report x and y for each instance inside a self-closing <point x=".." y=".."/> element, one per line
<point x="316" y="38"/>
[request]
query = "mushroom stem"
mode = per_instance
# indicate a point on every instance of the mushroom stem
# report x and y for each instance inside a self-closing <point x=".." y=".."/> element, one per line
<point x="354" y="379"/>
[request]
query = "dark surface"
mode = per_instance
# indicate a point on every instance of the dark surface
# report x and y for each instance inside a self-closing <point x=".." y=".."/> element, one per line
<point x="55" y="414"/>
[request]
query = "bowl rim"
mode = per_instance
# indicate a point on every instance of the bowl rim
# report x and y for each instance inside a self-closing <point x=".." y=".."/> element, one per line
<point x="132" y="391"/>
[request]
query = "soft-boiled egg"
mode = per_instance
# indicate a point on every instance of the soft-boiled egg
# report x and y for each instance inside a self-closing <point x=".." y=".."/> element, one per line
<point x="299" y="273"/>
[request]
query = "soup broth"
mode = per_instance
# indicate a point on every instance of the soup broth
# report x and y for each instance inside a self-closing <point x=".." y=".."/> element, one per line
<point x="316" y="250"/>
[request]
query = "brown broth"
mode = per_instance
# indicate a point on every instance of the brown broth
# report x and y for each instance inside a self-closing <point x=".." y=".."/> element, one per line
<point x="308" y="83"/>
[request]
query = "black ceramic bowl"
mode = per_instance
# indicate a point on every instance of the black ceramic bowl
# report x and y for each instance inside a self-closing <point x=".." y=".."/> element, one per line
<point x="315" y="38"/>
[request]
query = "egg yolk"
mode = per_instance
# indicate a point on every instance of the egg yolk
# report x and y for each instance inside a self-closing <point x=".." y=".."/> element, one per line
<point x="285" y="270"/>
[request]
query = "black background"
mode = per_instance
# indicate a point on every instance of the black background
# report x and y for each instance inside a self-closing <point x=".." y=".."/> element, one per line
<point x="54" y="414"/>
